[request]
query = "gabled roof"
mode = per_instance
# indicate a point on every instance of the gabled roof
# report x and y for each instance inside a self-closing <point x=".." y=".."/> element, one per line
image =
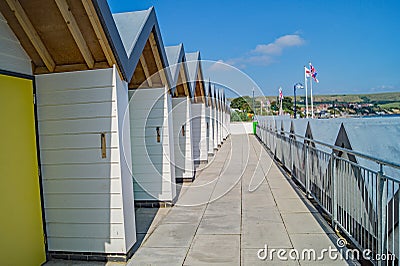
<point x="129" y="32"/>
<point x="196" y="80"/>
<point x="177" y="63"/>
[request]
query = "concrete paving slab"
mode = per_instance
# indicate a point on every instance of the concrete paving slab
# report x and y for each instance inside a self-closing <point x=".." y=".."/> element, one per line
<point x="294" y="205"/>
<point x="285" y="192"/>
<point x="171" y="235"/>
<point x="189" y="215"/>
<point x="220" y="224"/>
<point x="261" y="215"/>
<point x="301" y="223"/>
<point x="214" y="249"/>
<point x="258" y="235"/>
<point x="158" y="256"/>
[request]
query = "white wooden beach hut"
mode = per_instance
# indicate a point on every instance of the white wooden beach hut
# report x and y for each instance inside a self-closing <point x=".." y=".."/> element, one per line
<point x="199" y="124"/>
<point x="225" y="119"/>
<point x="211" y="115"/>
<point x="150" y="106"/>
<point x="219" y="116"/>
<point x="81" y="78"/>
<point x="181" y="114"/>
<point x="214" y="117"/>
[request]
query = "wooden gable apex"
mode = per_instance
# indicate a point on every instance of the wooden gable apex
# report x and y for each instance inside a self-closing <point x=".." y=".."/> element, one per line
<point x="199" y="92"/>
<point x="150" y="71"/>
<point x="178" y="69"/>
<point x="59" y="35"/>
<point x="182" y="86"/>
<point x="140" y="48"/>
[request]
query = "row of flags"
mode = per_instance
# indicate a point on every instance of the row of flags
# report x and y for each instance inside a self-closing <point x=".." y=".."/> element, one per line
<point x="310" y="72"/>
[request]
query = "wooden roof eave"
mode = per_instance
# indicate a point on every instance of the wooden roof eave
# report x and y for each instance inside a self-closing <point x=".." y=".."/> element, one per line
<point x="79" y="22"/>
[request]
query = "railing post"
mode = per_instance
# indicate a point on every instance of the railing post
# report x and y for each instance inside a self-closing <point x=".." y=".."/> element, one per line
<point x="307" y="173"/>
<point x="291" y="154"/>
<point x="334" y="190"/>
<point x="382" y="201"/>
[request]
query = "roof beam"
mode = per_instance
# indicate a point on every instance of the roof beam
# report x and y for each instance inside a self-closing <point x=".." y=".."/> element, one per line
<point x="146" y="70"/>
<point x="98" y="29"/>
<point x="75" y="31"/>
<point x="184" y="80"/>
<point x="157" y="58"/>
<point x="203" y="99"/>
<point x="32" y="34"/>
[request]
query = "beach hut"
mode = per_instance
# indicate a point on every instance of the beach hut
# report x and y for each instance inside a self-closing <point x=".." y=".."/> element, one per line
<point x="223" y="117"/>
<point x="211" y="114"/>
<point x="199" y="123"/>
<point x="81" y="74"/>
<point x="150" y="107"/>
<point x="214" y="118"/>
<point x="208" y="106"/>
<point x="228" y="118"/>
<point x="218" y="116"/>
<point x="181" y="113"/>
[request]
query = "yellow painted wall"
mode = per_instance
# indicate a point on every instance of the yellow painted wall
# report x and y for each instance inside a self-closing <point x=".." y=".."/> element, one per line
<point x="21" y="238"/>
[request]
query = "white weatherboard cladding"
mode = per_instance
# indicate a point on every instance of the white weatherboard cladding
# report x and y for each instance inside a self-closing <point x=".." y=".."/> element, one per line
<point x="223" y="125"/>
<point x="87" y="199"/>
<point x="208" y="125"/>
<point x="199" y="124"/>
<point x="219" y="123"/>
<point x="181" y="113"/>
<point x="228" y="124"/>
<point x="210" y="131"/>
<point x="12" y="56"/>
<point x="152" y="161"/>
<point x="216" y="128"/>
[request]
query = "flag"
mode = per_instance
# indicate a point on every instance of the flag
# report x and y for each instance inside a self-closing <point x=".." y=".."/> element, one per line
<point x="280" y="94"/>
<point x="307" y="72"/>
<point x="312" y="69"/>
<point x="313" y="73"/>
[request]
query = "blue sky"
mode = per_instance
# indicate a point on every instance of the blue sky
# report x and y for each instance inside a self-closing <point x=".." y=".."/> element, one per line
<point x="354" y="45"/>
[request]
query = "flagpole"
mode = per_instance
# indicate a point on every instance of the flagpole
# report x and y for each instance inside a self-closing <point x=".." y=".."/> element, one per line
<point x="312" y="100"/>
<point x="305" y="82"/>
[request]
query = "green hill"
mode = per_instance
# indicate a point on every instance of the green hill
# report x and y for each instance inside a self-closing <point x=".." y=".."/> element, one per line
<point x="378" y="98"/>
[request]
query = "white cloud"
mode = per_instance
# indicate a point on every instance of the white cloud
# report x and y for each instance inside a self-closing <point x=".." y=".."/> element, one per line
<point x="220" y="65"/>
<point x="276" y="47"/>
<point x="263" y="54"/>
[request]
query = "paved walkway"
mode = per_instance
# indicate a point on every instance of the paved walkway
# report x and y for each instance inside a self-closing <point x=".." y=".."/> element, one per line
<point x="238" y="204"/>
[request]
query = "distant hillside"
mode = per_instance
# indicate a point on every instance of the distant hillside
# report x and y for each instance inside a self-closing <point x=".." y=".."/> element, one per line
<point x="379" y="98"/>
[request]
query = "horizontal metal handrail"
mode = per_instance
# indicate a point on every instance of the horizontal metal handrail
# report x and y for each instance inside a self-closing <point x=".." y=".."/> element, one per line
<point x="337" y="148"/>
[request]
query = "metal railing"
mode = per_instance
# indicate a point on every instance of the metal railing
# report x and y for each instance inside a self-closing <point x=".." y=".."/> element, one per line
<point x="362" y="202"/>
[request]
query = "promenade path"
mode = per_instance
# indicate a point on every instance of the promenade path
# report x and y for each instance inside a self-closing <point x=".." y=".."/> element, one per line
<point x="239" y="203"/>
